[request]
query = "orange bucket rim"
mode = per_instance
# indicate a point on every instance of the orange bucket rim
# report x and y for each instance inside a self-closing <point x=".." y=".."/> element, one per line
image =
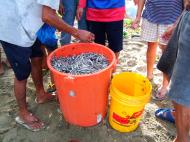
<point x="112" y="63"/>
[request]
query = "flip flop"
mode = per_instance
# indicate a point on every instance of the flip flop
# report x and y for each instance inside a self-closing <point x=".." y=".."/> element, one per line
<point x="165" y="114"/>
<point x="27" y="125"/>
<point x="51" y="88"/>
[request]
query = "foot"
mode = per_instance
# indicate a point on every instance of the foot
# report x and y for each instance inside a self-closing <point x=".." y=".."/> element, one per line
<point x="1" y="69"/>
<point x="43" y="98"/>
<point x="161" y="94"/>
<point x="29" y="121"/>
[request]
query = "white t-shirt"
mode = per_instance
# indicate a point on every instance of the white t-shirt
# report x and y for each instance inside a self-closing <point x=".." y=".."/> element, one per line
<point x="21" y="19"/>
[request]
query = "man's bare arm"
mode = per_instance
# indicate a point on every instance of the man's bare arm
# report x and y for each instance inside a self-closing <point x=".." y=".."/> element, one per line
<point x="50" y="17"/>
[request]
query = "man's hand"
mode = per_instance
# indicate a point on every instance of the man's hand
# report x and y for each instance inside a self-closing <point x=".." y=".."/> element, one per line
<point x="50" y="17"/>
<point x="135" y="23"/>
<point x="79" y="13"/>
<point x="61" y="9"/>
<point x="167" y="34"/>
<point x="135" y="2"/>
<point x="85" y="36"/>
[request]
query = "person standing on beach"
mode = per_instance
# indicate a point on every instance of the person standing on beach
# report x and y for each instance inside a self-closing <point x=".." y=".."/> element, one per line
<point x="20" y="20"/>
<point x="69" y="14"/>
<point x="179" y="91"/>
<point x="157" y="17"/>
<point x="105" y="20"/>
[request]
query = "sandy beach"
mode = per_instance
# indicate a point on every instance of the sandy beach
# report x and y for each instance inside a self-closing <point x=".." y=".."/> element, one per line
<point x="132" y="58"/>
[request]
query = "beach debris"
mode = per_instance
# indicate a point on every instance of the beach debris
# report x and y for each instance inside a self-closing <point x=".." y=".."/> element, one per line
<point x="85" y="63"/>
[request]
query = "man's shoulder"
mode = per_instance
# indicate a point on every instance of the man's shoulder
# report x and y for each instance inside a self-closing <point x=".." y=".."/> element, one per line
<point x="54" y="4"/>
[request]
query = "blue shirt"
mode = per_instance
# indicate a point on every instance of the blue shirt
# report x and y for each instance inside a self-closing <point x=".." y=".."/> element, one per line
<point x="21" y="19"/>
<point x="162" y="11"/>
<point x="105" y="4"/>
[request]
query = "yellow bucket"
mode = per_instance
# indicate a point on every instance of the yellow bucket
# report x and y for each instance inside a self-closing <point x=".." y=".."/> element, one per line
<point x="130" y="92"/>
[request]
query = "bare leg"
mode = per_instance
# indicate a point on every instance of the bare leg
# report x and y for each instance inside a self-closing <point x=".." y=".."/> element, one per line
<point x="151" y="57"/>
<point x="163" y="89"/>
<point x="165" y="77"/>
<point x="44" y="58"/>
<point x="165" y="82"/>
<point x="182" y="121"/>
<point x="24" y="114"/>
<point x="52" y="80"/>
<point x="117" y="61"/>
<point x="1" y="65"/>
<point x="41" y="95"/>
<point x="117" y="57"/>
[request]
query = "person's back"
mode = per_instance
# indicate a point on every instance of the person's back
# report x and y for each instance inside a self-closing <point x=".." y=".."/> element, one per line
<point x="162" y="11"/>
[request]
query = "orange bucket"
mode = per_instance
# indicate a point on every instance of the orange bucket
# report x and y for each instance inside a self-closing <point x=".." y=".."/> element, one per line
<point x="83" y="98"/>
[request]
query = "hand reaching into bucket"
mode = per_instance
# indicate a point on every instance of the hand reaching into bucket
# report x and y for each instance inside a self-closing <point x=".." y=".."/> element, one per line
<point x="50" y="17"/>
<point x="85" y="36"/>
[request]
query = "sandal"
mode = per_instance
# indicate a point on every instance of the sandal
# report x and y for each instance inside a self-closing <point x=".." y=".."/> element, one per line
<point x="51" y="88"/>
<point x="165" y="114"/>
<point x="30" y="125"/>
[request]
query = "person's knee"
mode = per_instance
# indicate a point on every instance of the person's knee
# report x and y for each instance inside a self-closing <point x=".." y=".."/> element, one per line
<point x="22" y="71"/>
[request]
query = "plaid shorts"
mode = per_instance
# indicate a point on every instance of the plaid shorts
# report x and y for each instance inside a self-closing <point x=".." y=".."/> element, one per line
<point x="152" y="32"/>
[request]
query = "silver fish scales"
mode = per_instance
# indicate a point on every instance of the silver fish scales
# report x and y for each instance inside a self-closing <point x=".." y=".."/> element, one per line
<point x="85" y="63"/>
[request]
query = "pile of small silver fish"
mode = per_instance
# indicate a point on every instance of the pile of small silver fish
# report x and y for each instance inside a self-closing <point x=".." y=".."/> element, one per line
<point x="85" y="63"/>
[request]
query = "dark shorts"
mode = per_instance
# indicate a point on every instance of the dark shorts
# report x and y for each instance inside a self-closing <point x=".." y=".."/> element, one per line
<point x="113" y="30"/>
<point x="19" y="57"/>
<point x="50" y="48"/>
